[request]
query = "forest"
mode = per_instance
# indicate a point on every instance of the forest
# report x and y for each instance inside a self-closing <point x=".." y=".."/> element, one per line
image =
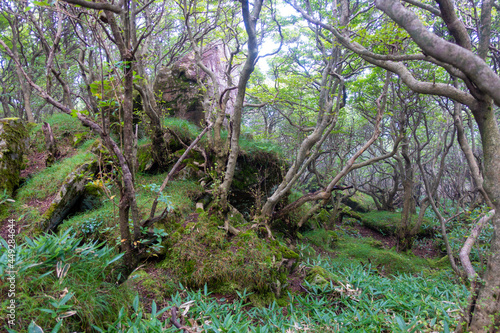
<point x="249" y="166"/>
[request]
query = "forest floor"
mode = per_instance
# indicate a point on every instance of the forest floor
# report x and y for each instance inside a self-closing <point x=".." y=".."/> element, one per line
<point x="424" y="248"/>
<point x="35" y="164"/>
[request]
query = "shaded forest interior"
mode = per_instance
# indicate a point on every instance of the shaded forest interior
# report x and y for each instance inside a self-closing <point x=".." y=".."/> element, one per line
<point x="253" y="166"/>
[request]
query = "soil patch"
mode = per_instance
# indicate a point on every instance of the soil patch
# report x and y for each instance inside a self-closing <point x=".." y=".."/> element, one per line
<point x="296" y="279"/>
<point x="36" y="163"/>
<point x="426" y="248"/>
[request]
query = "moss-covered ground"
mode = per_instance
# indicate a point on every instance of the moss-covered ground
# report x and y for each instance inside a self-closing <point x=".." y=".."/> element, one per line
<point x="314" y="281"/>
<point x="389" y="222"/>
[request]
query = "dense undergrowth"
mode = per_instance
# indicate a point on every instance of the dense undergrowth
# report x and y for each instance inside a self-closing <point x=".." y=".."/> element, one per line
<point x="313" y="281"/>
<point x="70" y="286"/>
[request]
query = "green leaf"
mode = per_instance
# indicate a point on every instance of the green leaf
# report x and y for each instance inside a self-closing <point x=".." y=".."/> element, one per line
<point x="34" y="328"/>
<point x="65" y="299"/>
<point x="135" y="304"/>
<point x="57" y="327"/>
<point x="118" y="257"/>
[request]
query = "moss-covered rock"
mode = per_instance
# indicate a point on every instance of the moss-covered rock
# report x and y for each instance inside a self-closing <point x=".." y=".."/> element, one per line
<point x="181" y="87"/>
<point x="318" y="276"/>
<point x="359" y="202"/>
<point x="71" y="191"/>
<point x="203" y="253"/>
<point x="13" y="145"/>
<point x="145" y="158"/>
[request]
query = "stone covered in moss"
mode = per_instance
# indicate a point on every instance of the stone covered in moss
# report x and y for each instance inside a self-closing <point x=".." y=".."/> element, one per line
<point x="205" y="254"/>
<point x="71" y="191"/>
<point x="359" y="202"/>
<point x="182" y="87"/>
<point x="13" y="144"/>
<point x="145" y="158"/>
<point x="333" y="238"/>
<point x="318" y="276"/>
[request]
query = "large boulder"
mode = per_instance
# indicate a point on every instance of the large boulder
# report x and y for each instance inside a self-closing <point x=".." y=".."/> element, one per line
<point x="13" y="144"/>
<point x="180" y="88"/>
<point x="71" y="196"/>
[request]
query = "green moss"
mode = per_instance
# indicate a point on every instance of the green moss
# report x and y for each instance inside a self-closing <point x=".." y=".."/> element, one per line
<point x="318" y="276"/>
<point x="374" y="243"/>
<point x="348" y="211"/>
<point x="287" y="253"/>
<point x="388" y="222"/>
<point x="153" y="287"/>
<point x="360" y="202"/>
<point x="13" y="144"/>
<point x="262" y="299"/>
<point x="333" y="237"/>
<point x="248" y="235"/>
<point x="144" y="157"/>
<point x="94" y="188"/>
<point x="322" y="238"/>
<point x="361" y="250"/>
<point x="204" y="254"/>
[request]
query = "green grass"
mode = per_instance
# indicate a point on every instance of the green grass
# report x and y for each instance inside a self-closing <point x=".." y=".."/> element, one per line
<point x="60" y="279"/>
<point x="345" y="248"/>
<point x="367" y="250"/>
<point x="183" y="128"/>
<point x="252" y="146"/>
<point x="41" y="185"/>
<point x="48" y="181"/>
<point x="62" y="125"/>
<point x="322" y="238"/>
<point x="103" y="219"/>
<point x="180" y="192"/>
<point x="359" y="299"/>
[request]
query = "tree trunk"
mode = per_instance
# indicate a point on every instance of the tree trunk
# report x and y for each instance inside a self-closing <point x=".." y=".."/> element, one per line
<point x="50" y="144"/>
<point x="5" y="107"/>
<point x="404" y="239"/>
<point x="486" y="310"/>
<point x="250" y="20"/>
<point x="25" y="88"/>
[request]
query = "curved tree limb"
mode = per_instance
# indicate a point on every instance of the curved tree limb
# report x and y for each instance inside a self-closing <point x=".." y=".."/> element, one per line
<point x="466" y="248"/>
<point x="476" y="69"/>
<point x="96" y="5"/>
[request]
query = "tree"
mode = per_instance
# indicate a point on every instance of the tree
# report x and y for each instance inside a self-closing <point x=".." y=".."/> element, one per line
<point x="479" y="92"/>
<point x="118" y="23"/>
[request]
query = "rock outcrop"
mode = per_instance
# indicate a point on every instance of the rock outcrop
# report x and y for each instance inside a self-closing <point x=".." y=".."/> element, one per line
<point x="70" y="196"/>
<point x="180" y="87"/>
<point x="13" y="144"/>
